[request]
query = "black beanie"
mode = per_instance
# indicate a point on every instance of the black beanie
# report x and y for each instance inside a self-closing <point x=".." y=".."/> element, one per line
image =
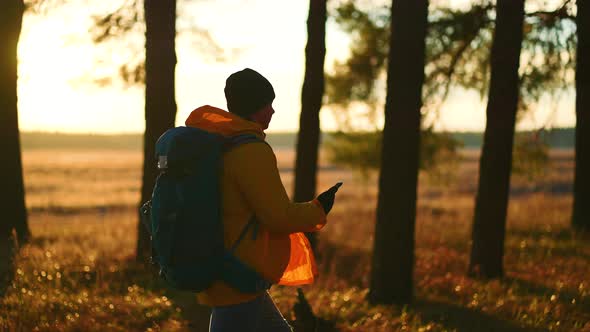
<point x="247" y="91"/>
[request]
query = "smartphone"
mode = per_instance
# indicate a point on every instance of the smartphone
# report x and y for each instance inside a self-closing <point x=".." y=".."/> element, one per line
<point x="336" y="186"/>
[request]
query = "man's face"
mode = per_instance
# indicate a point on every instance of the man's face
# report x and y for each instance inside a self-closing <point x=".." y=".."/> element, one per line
<point x="263" y="116"/>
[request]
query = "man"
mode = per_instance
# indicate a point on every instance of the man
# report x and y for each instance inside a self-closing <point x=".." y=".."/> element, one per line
<point x="251" y="186"/>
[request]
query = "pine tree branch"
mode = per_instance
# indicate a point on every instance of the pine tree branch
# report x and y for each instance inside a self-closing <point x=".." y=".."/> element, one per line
<point x="560" y="13"/>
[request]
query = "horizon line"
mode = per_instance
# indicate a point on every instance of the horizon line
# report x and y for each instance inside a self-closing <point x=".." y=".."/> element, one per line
<point x="88" y="133"/>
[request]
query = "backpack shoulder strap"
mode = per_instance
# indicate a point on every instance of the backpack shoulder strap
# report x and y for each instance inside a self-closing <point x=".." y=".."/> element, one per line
<point x="239" y="275"/>
<point x="251" y="223"/>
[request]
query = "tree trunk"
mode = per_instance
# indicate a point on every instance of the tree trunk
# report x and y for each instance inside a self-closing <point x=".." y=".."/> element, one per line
<point x="581" y="213"/>
<point x="308" y="138"/>
<point x="160" y="104"/>
<point x="12" y="196"/>
<point x="496" y="159"/>
<point x="393" y="255"/>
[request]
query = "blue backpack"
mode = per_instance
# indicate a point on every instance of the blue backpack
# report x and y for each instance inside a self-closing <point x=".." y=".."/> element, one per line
<point x="184" y="216"/>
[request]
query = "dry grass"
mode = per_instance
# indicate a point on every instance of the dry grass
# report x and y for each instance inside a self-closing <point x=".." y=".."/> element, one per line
<point x="75" y="180"/>
<point x="78" y="272"/>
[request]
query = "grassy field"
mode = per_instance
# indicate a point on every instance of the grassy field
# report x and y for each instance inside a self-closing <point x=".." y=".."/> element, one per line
<point x="78" y="272"/>
<point x="556" y="138"/>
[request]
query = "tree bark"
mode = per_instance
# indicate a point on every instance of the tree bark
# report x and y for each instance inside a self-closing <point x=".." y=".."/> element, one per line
<point x="393" y="254"/>
<point x="311" y="103"/>
<point x="489" y="224"/>
<point x="581" y="213"/>
<point x="160" y="103"/>
<point x="12" y="194"/>
<point x="308" y="138"/>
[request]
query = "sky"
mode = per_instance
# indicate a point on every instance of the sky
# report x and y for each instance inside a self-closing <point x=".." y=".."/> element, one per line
<point x="59" y="64"/>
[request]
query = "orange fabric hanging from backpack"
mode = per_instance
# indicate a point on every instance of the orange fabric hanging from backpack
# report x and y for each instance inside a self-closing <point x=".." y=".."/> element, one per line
<point x="302" y="268"/>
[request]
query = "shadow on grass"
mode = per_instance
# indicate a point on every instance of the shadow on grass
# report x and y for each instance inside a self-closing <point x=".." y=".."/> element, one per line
<point x="196" y="315"/>
<point x="64" y="211"/>
<point x="146" y="276"/>
<point x="43" y="241"/>
<point x="526" y="287"/>
<point x="464" y="319"/>
<point x="557" y="188"/>
<point x="563" y="234"/>
<point x="564" y="242"/>
<point x="559" y="252"/>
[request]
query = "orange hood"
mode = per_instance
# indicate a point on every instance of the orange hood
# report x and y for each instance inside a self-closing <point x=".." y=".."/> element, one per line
<point x="218" y="121"/>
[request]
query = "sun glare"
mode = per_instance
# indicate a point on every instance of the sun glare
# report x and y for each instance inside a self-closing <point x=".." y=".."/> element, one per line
<point x="59" y="68"/>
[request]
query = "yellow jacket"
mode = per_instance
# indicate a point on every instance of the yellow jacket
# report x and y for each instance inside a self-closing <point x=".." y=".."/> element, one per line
<point x="251" y="185"/>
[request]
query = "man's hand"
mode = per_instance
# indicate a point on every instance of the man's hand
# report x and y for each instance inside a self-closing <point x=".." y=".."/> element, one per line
<point x="327" y="197"/>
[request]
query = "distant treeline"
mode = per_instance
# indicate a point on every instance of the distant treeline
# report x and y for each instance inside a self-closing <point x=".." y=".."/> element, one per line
<point x="558" y="138"/>
<point x="561" y="138"/>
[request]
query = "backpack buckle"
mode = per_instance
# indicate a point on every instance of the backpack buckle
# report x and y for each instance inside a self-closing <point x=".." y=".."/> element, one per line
<point x="162" y="162"/>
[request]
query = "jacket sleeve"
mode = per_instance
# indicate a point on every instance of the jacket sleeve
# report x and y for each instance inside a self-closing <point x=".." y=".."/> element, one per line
<point x="254" y="169"/>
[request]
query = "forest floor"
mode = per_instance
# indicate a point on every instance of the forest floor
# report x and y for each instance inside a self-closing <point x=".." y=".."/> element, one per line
<point x="78" y="272"/>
